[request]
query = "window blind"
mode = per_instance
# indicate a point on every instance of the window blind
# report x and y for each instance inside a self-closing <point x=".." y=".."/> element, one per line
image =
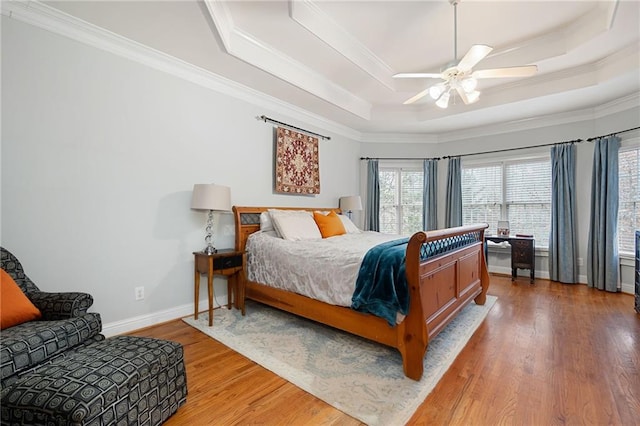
<point x="400" y="200"/>
<point x="528" y="198"/>
<point x="482" y="195"/>
<point x="515" y="190"/>
<point x="629" y="198"/>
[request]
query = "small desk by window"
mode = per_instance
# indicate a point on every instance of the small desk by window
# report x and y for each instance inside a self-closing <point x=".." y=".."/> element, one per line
<point x="523" y="253"/>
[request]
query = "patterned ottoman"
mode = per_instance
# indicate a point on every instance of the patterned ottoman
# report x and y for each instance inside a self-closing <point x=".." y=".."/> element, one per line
<point x="121" y="380"/>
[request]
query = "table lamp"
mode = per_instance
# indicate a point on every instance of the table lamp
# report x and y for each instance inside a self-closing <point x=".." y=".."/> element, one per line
<point x="212" y="197"/>
<point x="350" y="203"/>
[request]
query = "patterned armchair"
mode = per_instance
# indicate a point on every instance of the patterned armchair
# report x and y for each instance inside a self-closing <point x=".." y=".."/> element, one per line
<point x="65" y="324"/>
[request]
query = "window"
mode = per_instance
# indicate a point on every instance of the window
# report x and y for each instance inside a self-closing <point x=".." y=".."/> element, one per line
<point x="629" y="198"/>
<point x="400" y="200"/>
<point x="517" y="190"/>
<point x="482" y="195"/>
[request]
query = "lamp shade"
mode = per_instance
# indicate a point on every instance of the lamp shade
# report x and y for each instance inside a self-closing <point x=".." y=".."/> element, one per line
<point x="209" y="196"/>
<point x="350" y="203"/>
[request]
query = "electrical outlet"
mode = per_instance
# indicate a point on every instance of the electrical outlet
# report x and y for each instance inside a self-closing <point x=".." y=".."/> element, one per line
<point x="139" y="293"/>
<point x="580" y="261"/>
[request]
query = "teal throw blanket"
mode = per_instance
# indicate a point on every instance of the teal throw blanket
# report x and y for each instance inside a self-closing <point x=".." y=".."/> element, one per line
<point x="381" y="287"/>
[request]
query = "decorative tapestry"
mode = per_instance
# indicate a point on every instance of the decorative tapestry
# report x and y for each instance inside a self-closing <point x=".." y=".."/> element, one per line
<point x="297" y="170"/>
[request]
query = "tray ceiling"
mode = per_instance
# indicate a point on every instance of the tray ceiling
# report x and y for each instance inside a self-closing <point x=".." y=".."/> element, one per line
<point x="335" y="59"/>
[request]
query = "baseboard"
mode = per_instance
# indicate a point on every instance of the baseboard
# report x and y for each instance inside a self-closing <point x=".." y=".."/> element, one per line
<point x="521" y="273"/>
<point x="136" y="323"/>
<point x="628" y="288"/>
<point x="582" y="279"/>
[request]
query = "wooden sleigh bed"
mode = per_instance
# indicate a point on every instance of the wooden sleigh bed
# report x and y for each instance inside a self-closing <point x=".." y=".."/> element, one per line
<point x="439" y="287"/>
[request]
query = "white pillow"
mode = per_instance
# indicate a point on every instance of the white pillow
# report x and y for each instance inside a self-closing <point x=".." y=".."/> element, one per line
<point x="266" y="224"/>
<point x="349" y="226"/>
<point x="295" y="225"/>
<point x="269" y="220"/>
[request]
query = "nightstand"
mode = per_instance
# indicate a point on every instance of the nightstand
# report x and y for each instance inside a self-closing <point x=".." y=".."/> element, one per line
<point x="523" y="256"/>
<point x="227" y="262"/>
<point x="523" y="253"/>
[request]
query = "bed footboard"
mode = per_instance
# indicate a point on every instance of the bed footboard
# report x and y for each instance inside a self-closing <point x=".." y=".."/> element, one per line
<point x="440" y="286"/>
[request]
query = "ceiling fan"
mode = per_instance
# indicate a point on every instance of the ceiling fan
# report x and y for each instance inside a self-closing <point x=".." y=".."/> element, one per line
<point x="459" y="77"/>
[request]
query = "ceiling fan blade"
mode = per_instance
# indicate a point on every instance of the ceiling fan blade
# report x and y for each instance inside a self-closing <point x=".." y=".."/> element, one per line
<point x="416" y="97"/>
<point x="473" y="56"/>
<point x="524" y="71"/>
<point x="417" y="75"/>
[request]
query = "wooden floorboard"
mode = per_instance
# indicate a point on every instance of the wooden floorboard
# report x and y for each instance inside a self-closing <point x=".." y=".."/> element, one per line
<point x="546" y="354"/>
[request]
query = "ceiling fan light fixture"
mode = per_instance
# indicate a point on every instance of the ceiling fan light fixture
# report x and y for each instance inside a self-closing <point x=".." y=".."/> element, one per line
<point x="473" y="97"/>
<point x="469" y="84"/>
<point x="443" y="102"/>
<point x="436" y="90"/>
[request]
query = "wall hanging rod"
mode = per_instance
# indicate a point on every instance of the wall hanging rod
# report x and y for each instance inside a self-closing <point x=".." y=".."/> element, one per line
<point x="271" y="120"/>
<point x="400" y="158"/>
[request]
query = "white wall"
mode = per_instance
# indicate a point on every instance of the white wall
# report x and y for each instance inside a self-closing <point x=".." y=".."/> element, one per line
<point x="99" y="157"/>
<point x="499" y="261"/>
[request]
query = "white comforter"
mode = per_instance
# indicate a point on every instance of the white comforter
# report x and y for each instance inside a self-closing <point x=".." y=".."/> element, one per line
<point x="323" y="269"/>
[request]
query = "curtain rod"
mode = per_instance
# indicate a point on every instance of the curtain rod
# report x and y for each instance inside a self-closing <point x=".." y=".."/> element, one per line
<point x="611" y="134"/>
<point x="542" y="145"/>
<point x="271" y="120"/>
<point x="514" y="149"/>
<point x="508" y="149"/>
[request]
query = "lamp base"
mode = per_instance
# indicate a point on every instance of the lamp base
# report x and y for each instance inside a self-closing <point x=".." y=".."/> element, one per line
<point x="210" y="249"/>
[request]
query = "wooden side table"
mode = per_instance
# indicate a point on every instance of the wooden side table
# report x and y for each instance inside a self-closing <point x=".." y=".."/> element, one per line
<point x="523" y="253"/>
<point x="227" y="262"/>
<point x="523" y="256"/>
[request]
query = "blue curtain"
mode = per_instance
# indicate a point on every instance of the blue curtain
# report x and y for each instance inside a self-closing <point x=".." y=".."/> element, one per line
<point x="453" y="211"/>
<point x="602" y="256"/>
<point x="430" y="195"/>
<point x="563" y="264"/>
<point x="373" y="197"/>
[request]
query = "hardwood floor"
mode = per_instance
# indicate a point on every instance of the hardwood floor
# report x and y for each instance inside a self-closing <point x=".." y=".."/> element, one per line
<point x="546" y="354"/>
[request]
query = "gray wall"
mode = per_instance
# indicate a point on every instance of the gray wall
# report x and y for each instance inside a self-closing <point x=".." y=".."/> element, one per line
<point x="99" y="157"/>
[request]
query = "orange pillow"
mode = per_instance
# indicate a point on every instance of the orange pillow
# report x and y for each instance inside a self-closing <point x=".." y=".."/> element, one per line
<point x="15" y="306"/>
<point x="330" y="225"/>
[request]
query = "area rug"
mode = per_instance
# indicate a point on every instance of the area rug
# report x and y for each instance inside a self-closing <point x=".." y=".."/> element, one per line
<point x="358" y="377"/>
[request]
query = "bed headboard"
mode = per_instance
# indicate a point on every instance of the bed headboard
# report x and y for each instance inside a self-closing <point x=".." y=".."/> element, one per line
<point x="247" y="220"/>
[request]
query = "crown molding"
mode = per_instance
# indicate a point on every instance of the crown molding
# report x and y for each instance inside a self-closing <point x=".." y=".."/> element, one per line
<point x="310" y="16"/>
<point x="48" y="18"/>
<point x="616" y="106"/>
<point x="239" y="43"/>
<point x="399" y="138"/>
<point x="556" y="42"/>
